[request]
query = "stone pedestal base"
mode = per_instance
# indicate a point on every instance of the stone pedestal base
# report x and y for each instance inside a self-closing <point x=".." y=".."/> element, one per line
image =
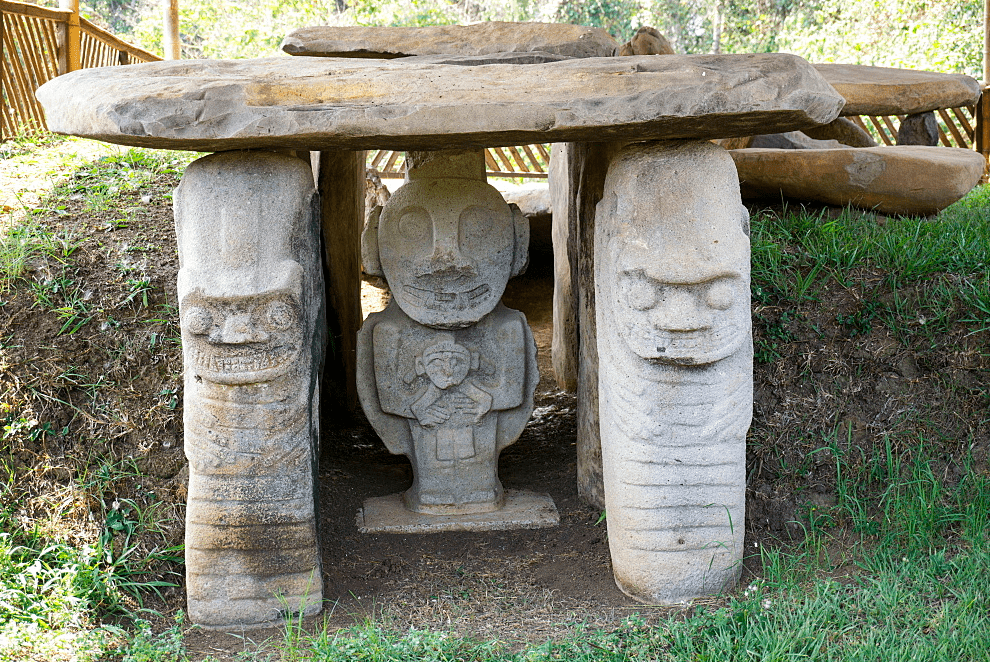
<point x="522" y="510"/>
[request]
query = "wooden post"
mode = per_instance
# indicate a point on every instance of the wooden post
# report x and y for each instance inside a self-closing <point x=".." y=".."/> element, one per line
<point x="170" y="35"/>
<point x="983" y="125"/>
<point x="69" y="39"/>
<point x="986" y="43"/>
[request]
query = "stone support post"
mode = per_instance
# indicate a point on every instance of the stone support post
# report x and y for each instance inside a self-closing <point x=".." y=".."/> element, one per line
<point x="341" y="186"/>
<point x="676" y="368"/>
<point x="251" y="312"/>
<point x="577" y="178"/>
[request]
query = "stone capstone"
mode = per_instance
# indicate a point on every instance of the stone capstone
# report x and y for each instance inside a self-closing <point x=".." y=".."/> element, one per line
<point x="886" y="91"/>
<point x="791" y="140"/>
<point x="478" y="39"/>
<point x="675" y="355"/>
<point x="892" y="180"/>
<point x="435" y="102"/>
<point x="251" y="314"/>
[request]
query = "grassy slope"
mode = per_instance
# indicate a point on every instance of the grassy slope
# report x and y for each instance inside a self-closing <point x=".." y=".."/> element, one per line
<point x="892" y="565"/>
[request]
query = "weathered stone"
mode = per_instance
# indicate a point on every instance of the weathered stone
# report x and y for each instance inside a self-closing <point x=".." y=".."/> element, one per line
<point x="919" y="129"/>
<point x="892" y="180"/>
<point x="842" y="129"/>
<point x="342" y="191"/>
<point x="446" y="372"/>
<point x="579" y="170"/>
<point x="521" y="510"/>
<point x="886" y="91"/>
<point x="791" y="140"/>
<point x="647" y="41"/>
<point x="250" y="291"/>
<point x="446" y="241"/>
<point x="676" y="374"/>
<point x="478" y="39"/>
<point x="435" y="102"/>
<point x="564" y="339"/>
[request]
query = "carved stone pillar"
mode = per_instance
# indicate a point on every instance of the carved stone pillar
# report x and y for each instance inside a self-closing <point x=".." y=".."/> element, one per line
<point x="676" y="368"/>
<point x="251" y="309"/>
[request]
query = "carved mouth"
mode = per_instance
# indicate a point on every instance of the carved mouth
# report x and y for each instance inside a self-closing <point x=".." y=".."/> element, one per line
<point x="241" y="364"/>
<point x="437" y="300"/>
<point x="683" y="347"/>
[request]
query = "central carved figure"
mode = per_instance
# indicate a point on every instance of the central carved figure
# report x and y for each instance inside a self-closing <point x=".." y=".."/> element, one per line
<point x="446" y="372"/>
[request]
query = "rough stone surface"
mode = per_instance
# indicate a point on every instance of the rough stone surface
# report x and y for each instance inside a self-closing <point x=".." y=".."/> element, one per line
<point x="919" y="129"/>
<point x="892" y="180"/>
<point x="841" y="129"/>
<point x="577" y="180"/>
<point x="478" y="39"/>
<point x="676" y="371"/>
<point x="341" y="182"/>
<point x="521" y="510"/>
<point x="435" y="102"/>
<point x="564" y="340"/>
<point x="250" y="291"/>
<point x="647" y="41"/>
<point x="792" y="140"/>
<point x="446" y="241"/>
<point x="446" y="372"/>
<point x="886" y="91"/>
<point x="533" y="201"/>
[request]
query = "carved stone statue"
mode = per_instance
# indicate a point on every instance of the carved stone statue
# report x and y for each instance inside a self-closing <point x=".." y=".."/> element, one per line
<point x="675" y="368"/>
<point x="446" y="372"/>
<point x="251" y="308"/>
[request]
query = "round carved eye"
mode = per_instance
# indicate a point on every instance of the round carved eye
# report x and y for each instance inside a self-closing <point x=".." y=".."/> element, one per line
<point x="720" y="295"/>
<point x="641" y="294"/>
<point x="415" y="225"/>
<point x="280" y="315"/>
<point x="198" y="320"/>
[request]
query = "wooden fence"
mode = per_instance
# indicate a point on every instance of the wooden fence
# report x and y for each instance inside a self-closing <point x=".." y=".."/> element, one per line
<point x="40" y="43"/>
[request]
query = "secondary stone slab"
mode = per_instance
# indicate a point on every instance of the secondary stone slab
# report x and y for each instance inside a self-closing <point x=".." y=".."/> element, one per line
<point x="522" y="510"/>
<point x="435" y="102"/>
<point x="488" y="37"/>
<point x="893" y="180"/>
<point x="886" y="91"/>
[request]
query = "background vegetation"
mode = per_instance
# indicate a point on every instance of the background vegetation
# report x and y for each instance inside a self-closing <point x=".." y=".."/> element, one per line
<point x="926" y="34"/>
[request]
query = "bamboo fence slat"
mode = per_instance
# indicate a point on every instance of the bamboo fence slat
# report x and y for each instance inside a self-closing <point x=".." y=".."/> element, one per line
<point x="490" y="161"/>
<point x="532" y="158"/>
<point x="18" y="90"/>
<point x="952" y="128"/>
<point x="393" y="157"/>
<point x="520" y="161"/>
<point x="26" y="9"/>
<point x="890" y="125"/>
<point x="964" y="122"/>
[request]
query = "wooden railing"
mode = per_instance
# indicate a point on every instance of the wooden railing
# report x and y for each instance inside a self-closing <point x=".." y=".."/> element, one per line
<point x="40" y="43"/>
<point x="528" y="161"/>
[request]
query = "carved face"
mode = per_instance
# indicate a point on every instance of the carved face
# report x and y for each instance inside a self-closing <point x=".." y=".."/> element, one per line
<point x="673" y="264"/>
<point x="682" y="323"/>
<point x="446" y="366"/>
<point x="446" y="248"/>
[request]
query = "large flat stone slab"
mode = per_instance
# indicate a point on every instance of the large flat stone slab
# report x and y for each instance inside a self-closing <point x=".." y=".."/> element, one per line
<point x="489" y="37"/>
<point x="435" y="102"/>
<point x="893" y="180"/>
<point x="886" y="91"/>
<point x="522" y="510"/>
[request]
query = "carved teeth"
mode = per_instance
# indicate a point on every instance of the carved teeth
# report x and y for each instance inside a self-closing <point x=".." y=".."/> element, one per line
<point x="261" y="359"/>
<point x="444" y="301"/>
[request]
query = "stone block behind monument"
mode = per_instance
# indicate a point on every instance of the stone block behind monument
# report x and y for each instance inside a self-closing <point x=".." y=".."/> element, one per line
<point x="251" y="306"/>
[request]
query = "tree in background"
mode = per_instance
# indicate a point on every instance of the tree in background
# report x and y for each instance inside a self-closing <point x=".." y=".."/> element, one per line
<point x="923" y="34"/>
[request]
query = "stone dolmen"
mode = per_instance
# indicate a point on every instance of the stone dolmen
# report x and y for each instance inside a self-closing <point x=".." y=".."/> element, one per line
<point x="447" y="372"/>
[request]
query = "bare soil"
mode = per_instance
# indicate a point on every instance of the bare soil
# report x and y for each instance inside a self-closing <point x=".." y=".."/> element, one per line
<point x="111" y="391"/>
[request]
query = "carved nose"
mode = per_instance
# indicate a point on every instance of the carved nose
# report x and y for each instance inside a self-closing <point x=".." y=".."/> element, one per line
<point x="447" y="259"/>
<point x="679" y="311"/>
<point x="238" y="330"/>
